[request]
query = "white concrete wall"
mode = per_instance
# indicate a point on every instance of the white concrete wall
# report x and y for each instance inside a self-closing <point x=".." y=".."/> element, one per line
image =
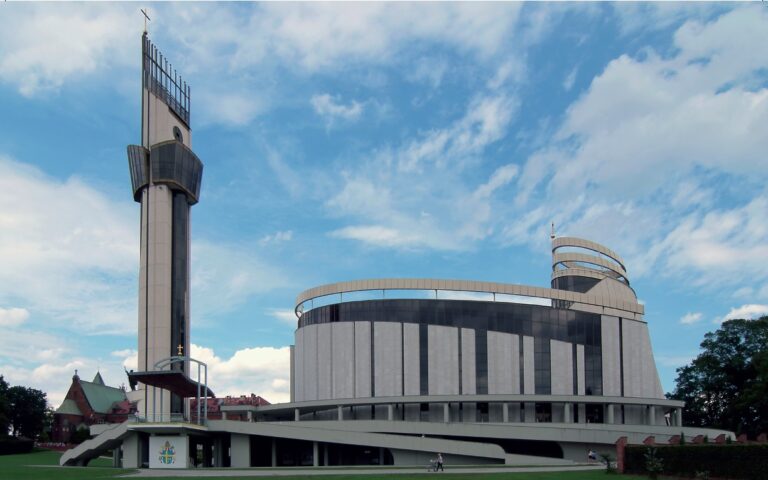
<point x="362" y="359"/>
<point x="528" y="368"/>
<point x="503" y="363"/>
<point x="581" y="373"/>
<point x="562" y="367"/>
<point x="640" y="376"/>
<point x="298" y="366"/>
<point x="443" y="360"/>
<point x="310" y="362"/>
<point x="609" y="331"/>
<point x="343" y="371"/>
<point x="159" y="127"/>
<point x="388" y="359"/>
<point x="411" y="359"/>
<point x="324" y="362"/>
<point x="468" y="366"/>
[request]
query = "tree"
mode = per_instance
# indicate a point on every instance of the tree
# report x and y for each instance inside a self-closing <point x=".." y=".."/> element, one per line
<point x="4" y="408"/>
<point x="726" y="386"/>
<point x="27" y="411"/>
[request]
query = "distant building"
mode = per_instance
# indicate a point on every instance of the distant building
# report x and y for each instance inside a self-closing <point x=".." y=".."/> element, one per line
<point x="89" y="403"/>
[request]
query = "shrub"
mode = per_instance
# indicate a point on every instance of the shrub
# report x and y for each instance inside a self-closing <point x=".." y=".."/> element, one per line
<point x="654" y="465"/>
<point x="12" y="446"/>
<point x="736" y="461"/>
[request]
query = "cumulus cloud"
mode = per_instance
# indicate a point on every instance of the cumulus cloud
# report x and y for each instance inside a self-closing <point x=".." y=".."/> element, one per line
<point x="643" y="155"/>
<point x="13" y="317"/>
<point x="264" y="371"/>
<point x="44" y="46"/>
<point x="691" y="318"/>
<point x="749" y="312"/>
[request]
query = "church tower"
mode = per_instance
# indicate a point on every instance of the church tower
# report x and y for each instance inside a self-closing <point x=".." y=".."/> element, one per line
<point x="165" y="177"/>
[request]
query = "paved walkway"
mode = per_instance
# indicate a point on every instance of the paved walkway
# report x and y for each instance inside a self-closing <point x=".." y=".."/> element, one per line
<point x="292" y="471"/>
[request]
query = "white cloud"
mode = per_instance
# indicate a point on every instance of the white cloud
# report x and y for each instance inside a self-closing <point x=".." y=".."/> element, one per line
<point x="570" y="79"/>
<point x="748" y="312"/>
<point x="644" y="154"/>
<point x="417" y="196"/>
<point x="502" y="176"/>
<point x="225" y="275"/>
<point x="67" y="250"/>
<point x="331" y="108"/>
<point x="277" y="237"/>
<point x="286" y="316"/>
<point x="264" y="371"/>
<point x="13" y="317"/>
<point x="44" y="46"/>
<point x="129" y="357"/>
<point x="691" y="318"/>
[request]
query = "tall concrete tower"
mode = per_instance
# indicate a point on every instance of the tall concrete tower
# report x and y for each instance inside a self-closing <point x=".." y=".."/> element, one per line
<point x="165" y="176"/>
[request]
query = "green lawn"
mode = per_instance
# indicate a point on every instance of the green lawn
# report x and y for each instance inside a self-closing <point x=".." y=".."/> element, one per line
<point x="32" y="466"/>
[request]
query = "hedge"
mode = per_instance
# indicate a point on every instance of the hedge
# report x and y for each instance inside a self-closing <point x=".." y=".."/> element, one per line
<point x="11" y="446"/>
<point x="744" y="462"/>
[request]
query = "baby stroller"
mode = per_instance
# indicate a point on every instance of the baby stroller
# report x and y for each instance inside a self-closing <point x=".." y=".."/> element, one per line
<point x="432" y="467"/>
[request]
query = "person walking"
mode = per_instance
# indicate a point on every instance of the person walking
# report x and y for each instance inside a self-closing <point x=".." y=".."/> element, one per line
<point x="439" y="462"/>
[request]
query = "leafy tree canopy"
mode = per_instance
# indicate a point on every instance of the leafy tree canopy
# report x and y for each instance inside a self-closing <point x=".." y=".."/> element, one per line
<point x="4" y="407"/>
<point x="726" y="386"/>
<point x="26" y="410"/>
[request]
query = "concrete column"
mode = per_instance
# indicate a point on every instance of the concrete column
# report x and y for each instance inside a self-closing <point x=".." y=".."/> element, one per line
<point x="530" y="413"/>
<point x="505" y="412"/>
<point x="250" y="416"/>
<point x="296" y="414"/>
<point x="609" y="413"/>
<point x="339" y="413"/>
<point x="223" y="415"/>
<point x="240" y="448"/>
<point x="131" y="451"/>
<point x="274" y="452"/>
<point x="390" y="412"/>
<point x="116" y="457"/>
<point x="325" y="455"/>
<point x="651" y="415"/>
<point x="567" y="417"/>
<point x="446" y="413"/>
<point x="678" y="417"/>
<point x="582" y="413"/>
<point x="218" y="453"/>
<point x="315" y="454"/>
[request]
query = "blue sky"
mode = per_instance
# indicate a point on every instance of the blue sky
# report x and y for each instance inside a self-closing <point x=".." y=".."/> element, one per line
<point x="347" y="141"/>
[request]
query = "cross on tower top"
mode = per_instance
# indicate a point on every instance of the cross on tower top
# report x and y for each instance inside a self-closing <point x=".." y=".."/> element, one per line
<point x="146" y="17"/>
<point x="180" y="349"/>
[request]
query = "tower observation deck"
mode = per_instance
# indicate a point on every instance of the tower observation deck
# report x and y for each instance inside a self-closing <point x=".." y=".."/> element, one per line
<point x="165" y="177"/>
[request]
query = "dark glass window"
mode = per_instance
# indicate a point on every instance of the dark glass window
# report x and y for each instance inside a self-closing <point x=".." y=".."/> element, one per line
<point x="481" y="361"/>
<point x="542" y="366"/>
<point x="423" y="359"/>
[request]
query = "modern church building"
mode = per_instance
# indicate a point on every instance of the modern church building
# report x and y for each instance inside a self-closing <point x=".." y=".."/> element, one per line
<point x="384" y="371"/>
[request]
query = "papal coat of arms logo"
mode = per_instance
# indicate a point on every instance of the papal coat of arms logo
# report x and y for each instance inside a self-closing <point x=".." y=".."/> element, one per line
<point x="167" y="453"/>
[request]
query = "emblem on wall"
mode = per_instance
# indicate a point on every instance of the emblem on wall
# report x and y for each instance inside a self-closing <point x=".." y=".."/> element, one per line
<point x="167" y="454"/>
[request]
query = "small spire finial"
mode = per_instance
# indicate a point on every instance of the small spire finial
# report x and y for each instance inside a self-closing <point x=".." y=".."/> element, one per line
<point x="146" y="17"/>
<point x="180" y="349"/>
<point x="552" y="235"/>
